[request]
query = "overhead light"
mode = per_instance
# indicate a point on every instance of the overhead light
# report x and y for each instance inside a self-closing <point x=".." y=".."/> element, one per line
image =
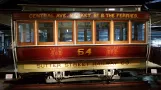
<point x="111" y="9"/>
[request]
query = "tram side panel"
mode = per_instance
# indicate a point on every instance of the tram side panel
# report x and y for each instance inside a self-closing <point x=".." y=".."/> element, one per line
<point x="59" y="58"/>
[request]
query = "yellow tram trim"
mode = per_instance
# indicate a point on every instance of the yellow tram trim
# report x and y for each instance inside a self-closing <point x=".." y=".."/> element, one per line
<point x="24" y="68"/>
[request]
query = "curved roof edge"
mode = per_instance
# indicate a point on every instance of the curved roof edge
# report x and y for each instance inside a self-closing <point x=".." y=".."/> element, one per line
<point x="37" y="5"/>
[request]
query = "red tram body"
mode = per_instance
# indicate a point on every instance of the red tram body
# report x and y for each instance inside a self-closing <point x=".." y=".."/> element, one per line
<point x="57" y="42"/>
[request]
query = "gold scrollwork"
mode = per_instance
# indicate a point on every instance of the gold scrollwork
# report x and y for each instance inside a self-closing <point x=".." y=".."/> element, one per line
<point x="112" y="50"/>
<point x="58" y="52"/>
<point x="52" y="51"/>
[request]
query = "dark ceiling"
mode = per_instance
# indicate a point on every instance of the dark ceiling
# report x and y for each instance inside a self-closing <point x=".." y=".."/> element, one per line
<point x="5" y="29"/>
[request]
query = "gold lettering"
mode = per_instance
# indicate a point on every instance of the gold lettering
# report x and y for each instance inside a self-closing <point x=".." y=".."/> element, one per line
<point x="33" y="16"/>
<point x="95" y="15"/>
<point x="72" y="15"/>
<point x="64" y="15"/>
<point x="110" y="15"/>
<point x="127" y="16"/>
<point x="102" y="15"/>
<point x="123" y="15"/>
<point x="49" y="15"/>
<point x="60" y="15"/>
<point x="117" y="15"/>
<point x="54" y="65"/>
<point x="43" y="15"/>
<point x="89" y="15"/>
<point x="80" y="52"/>
<point x="41" y="65"/>
<point x="38" y="15"/>
<point x="83" y="52"/>
<point x="67" y="65"/>
<point x="85" y="15"/>
<point x="131" y="15"/>
<point x="99" y="63"/>
<point x="81" y="15"/>
<point x="30" y="16"/>
<point x="135" y="16"/>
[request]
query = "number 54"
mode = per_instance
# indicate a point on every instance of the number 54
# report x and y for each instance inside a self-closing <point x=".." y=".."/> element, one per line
<point x="83" y="52"/>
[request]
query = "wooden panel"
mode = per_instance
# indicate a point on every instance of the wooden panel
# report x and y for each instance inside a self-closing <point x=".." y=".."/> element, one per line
<point x="74" y="53"/>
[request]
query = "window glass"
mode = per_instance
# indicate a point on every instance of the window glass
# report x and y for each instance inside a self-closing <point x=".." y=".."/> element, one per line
<point x="102" y="31"/>
<point x="120" y="29"/>
<point x="45" y="31"/>
<point x="138" y="31"/>
<point x="84" y="31"/>
<point x="26" y="32"/>
<point x="65" y="31"/>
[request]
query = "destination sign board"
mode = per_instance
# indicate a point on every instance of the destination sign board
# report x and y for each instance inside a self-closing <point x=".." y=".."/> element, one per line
<point x="81" y="15"/>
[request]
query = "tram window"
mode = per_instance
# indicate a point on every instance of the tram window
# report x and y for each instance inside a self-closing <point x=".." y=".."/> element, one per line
<point x="138" y="30"/>
<point x="26" y="32"/>
<point x="120" y="30"/>
<point x="65" y="31"/>
<point x="102" y="31"/>
<point x="45" y="30"/>
<point x="84" y="31"/>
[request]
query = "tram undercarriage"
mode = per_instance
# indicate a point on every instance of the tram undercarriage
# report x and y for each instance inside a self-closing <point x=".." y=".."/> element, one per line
<point x="73" y="76"/>
<point x="100" y="72"/>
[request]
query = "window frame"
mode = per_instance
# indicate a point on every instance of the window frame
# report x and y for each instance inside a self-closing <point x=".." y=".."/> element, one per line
<point x="145" y="31"/>
<point x="128" y="25"/>
<point x="17" y="33"/>
<point x="102" y="42"/>
<point x="66" y="43"/>
<point x="37" y="27"/>
<point x="84" y="42"/>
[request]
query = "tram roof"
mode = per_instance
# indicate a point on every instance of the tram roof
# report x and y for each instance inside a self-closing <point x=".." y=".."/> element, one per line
<point x="37" y="5"/>
<point x="14" y="4"/>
